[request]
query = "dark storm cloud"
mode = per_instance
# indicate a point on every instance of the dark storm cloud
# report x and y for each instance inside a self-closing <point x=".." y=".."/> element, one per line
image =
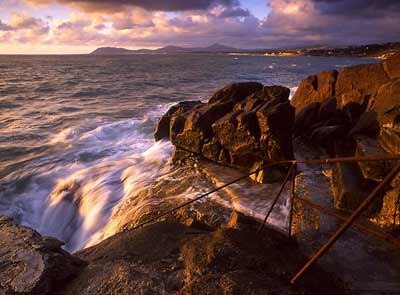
<point x="357" y="8"/>
<point x="235" y="12"/>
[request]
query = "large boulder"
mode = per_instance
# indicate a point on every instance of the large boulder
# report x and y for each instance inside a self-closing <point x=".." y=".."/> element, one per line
<point x="30" y="263"/>
<point x="242" y="125"/>
<point x="316" y="88"/>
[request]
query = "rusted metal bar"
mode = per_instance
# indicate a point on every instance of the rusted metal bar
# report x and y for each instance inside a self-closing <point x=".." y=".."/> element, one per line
<point x="348" y="223"/>
<point x="292" y="195"/>
<point x="276" y="198"/>
<point x="285" y="162"/>
<point x="356" y="225"/>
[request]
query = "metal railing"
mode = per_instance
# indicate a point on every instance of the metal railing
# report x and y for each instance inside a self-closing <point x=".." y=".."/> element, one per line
<point x="351" y="221"/>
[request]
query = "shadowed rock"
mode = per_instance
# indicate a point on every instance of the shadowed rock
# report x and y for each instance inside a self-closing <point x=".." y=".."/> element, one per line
<point x="350" y="188"/>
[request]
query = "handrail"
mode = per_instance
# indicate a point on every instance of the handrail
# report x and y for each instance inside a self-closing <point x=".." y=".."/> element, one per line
<point x="351" y="221"/>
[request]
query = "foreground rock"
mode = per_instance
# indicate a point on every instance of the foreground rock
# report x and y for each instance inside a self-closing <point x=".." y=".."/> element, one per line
<point x="30" y="263"/>
<point x="244" y="125"/>
<point x="169" y="258"/>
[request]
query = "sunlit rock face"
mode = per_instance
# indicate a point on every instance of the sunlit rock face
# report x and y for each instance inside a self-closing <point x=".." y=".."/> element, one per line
<point x="244" y="124"/>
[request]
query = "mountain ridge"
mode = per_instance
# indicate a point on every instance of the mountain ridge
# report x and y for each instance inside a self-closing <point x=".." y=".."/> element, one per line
<point x="214" y="48"/>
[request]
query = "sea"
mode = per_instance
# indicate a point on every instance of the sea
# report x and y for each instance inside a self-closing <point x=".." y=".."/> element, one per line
<point x="73" y="126"/>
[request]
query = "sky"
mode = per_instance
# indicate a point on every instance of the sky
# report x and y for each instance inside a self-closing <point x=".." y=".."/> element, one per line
<point x="80" y="26"/>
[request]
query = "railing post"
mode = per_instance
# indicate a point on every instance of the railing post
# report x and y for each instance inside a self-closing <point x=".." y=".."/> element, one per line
<point x="277" y="197"/>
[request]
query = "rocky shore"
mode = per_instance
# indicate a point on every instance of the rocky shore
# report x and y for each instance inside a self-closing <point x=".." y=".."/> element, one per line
<point x="208" y="248"/>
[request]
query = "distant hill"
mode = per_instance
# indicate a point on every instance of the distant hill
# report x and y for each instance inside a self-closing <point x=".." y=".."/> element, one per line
<point x="371" y="50"/>
<point x="215" y="48"/>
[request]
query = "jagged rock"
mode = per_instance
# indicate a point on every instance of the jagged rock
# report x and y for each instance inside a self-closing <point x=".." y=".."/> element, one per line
<point x="163" y="127"/>
<point x="235" y="92"/>
<point x="375" y="170"/>
<point x="236" y="129"/>
<point x="392" y="66"/>
<point x="367" y="125"/>
<point x="353" y="111"/>
<point x="350" y="188"/>
<point x="30" y="263"/>
<point x="390" y="140"/>
<point x="315" y="88"/>
<point x="358" y="83"/>
<point x="387" y="104"/>
<point x="328" y="109"/>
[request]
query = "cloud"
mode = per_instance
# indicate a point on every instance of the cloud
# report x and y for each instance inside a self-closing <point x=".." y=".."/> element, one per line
<point x="305" y="22"/>
<point x="22" y="28"/>
<point x="4" y="27"/>
<point x="152" y="5"/>
<point x="234" y="12"/>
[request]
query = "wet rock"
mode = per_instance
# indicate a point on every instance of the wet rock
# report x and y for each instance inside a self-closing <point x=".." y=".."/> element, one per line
<point x="350" y="188"/>
<point x="163" y="127"/>
<point x="235" y="92"/>
<point x="358" y="83"/>
<point x="30" y="263"/>
<point x="316" y="88"/>
<point x="238" y="220"/>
